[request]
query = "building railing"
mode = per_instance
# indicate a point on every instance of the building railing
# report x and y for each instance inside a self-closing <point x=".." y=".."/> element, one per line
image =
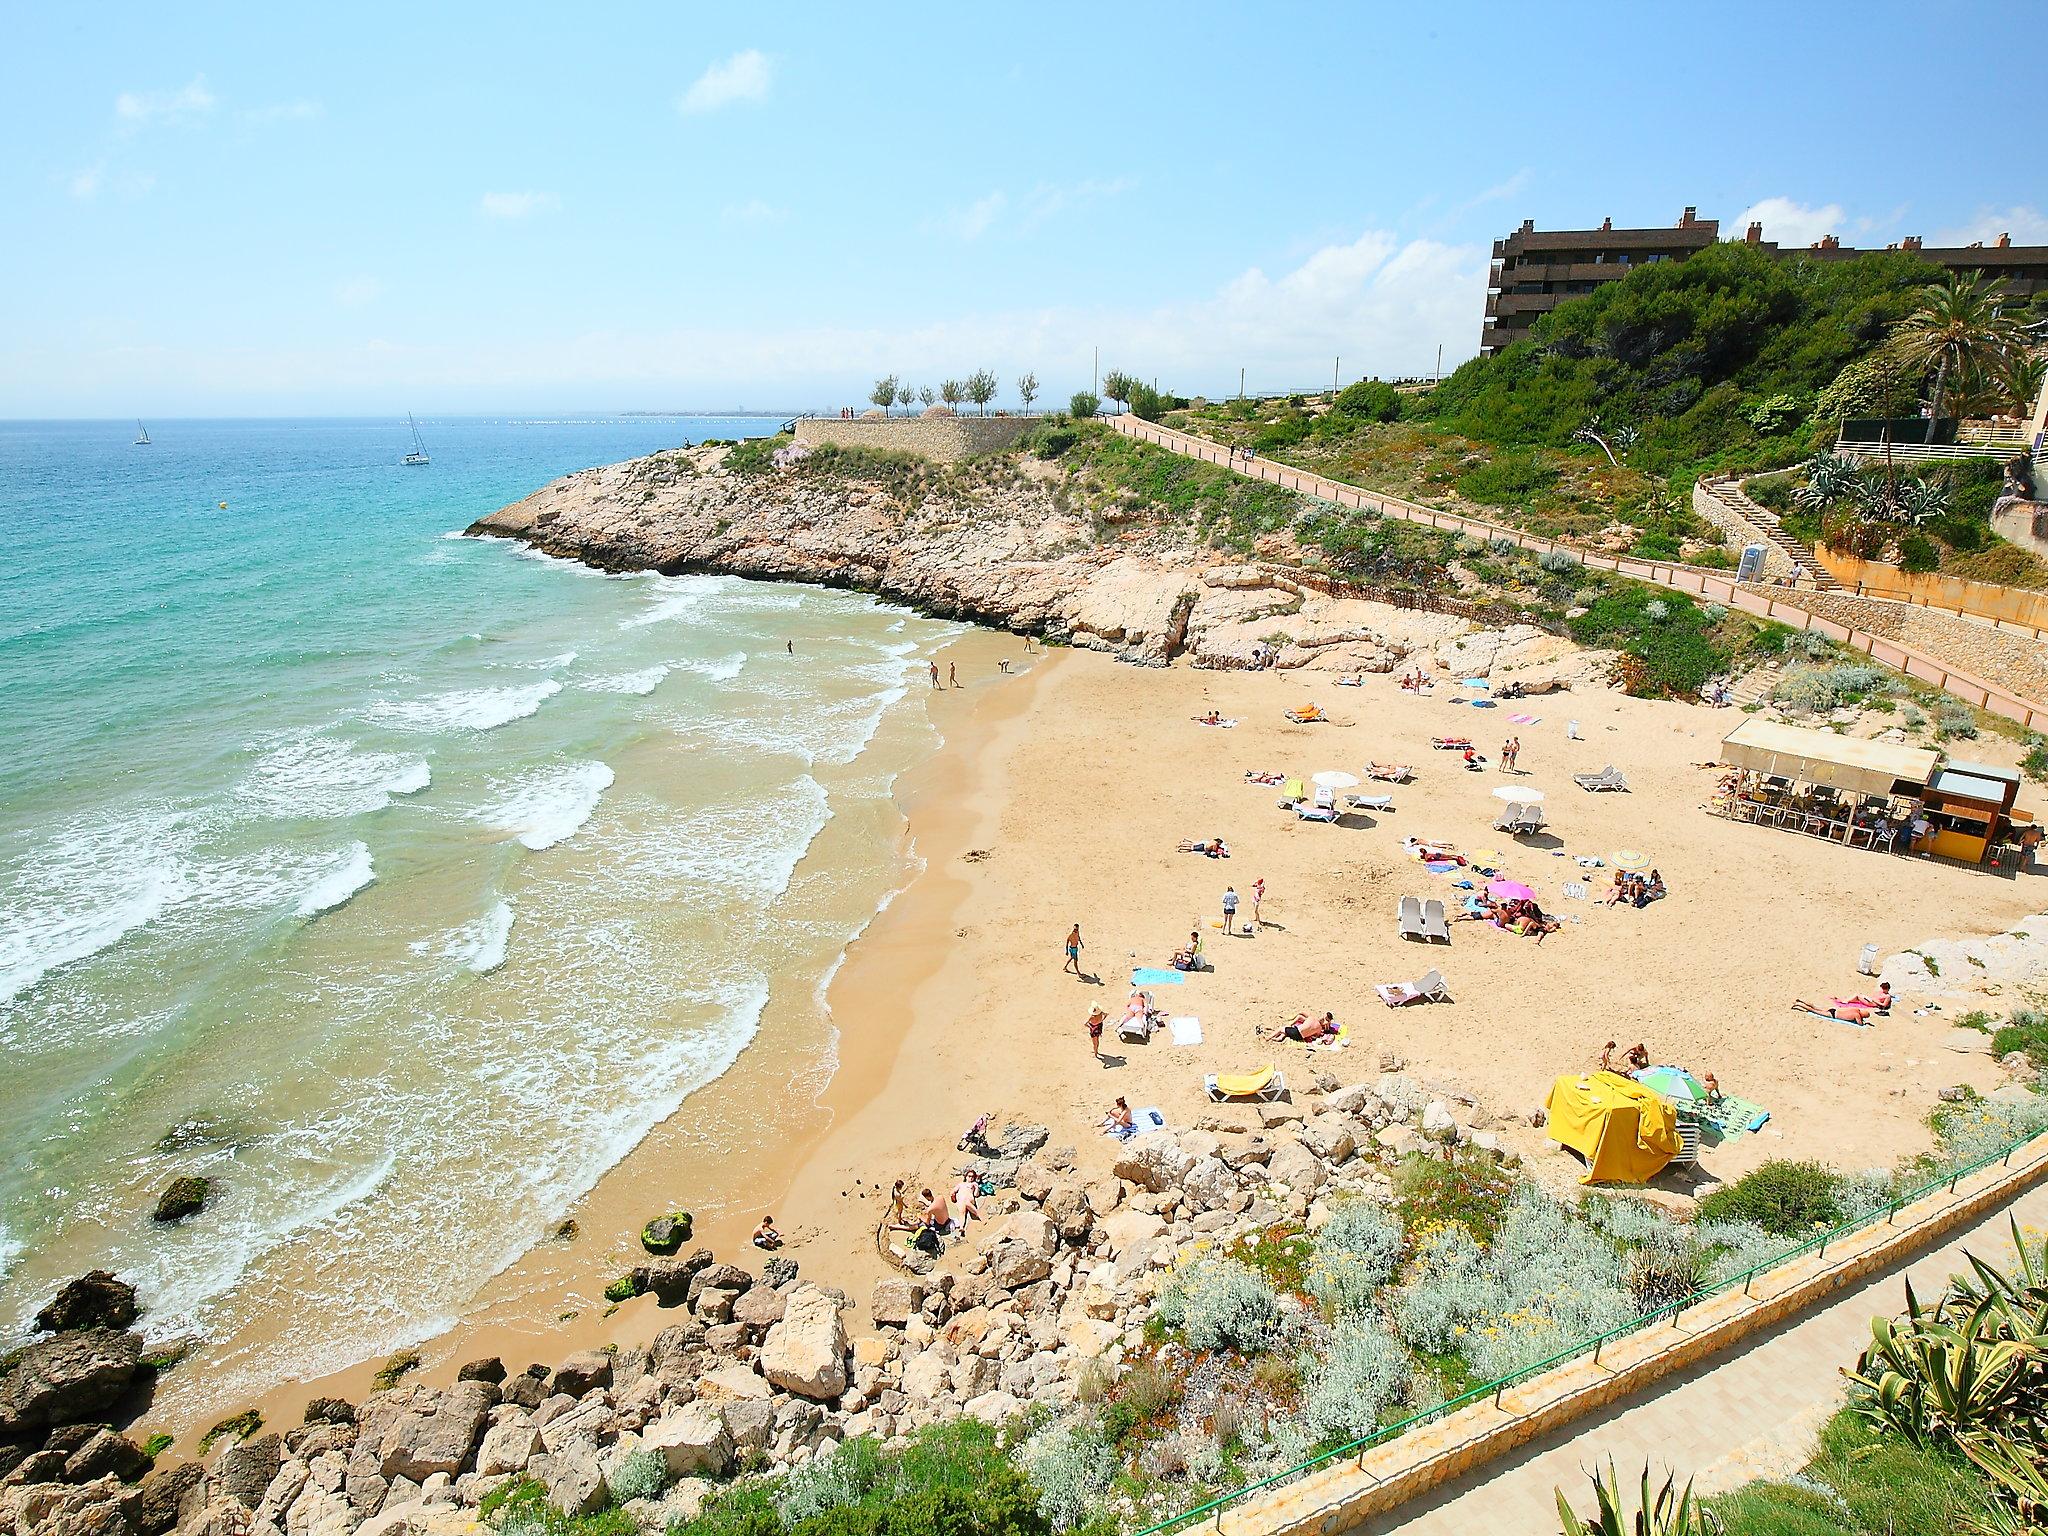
<point x="1885" y="1215"/>
<point x="1914" y="663"/>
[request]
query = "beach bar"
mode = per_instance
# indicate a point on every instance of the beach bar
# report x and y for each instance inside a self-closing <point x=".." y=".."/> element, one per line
<point x="1873" y="794"/>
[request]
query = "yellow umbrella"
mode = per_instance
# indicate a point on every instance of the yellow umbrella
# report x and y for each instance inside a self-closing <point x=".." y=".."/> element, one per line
<point x="1489" y="858"/>
<point x="1629" y="858"/>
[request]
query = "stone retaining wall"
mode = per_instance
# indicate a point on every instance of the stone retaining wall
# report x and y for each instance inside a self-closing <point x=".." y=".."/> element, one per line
<point x="1999" y="657"/>
<point x="945" y="438"/>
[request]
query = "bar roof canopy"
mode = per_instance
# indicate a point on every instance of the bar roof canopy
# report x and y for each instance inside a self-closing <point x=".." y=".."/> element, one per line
<point x="1822" y="757"/>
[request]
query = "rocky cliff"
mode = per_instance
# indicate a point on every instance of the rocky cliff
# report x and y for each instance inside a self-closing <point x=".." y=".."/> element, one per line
<point x="1014" y="543"/>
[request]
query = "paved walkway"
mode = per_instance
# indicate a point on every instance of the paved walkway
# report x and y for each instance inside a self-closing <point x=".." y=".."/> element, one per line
<point x="1734" y="1418"/>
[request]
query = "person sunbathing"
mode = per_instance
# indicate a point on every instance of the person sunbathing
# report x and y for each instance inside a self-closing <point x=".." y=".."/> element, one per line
<point x="1251" y="776"/>
<point x="1618" y="892"/>
<point x="1431" y="853"/>
<point x="1451" y="743"/>
<point x="1118" y="1122"/>
<point x="1880" y="1004"/>
<point x="1654" y="890"/>
<point x="936" y="1212"/>
<point x="1189" y="956"/>
<point x="1214" y="717"/>
<point x="1847" y="1012"/>
<point x="1351" y="680"/>
<point x="966" y="1193"/>
<point x="1393" y="773"/>
<point x="1305" y="1030"/>
<point x="1712" y="1085"/>
<point x="1214" y="848"/>
<point x="1307" y="714"/>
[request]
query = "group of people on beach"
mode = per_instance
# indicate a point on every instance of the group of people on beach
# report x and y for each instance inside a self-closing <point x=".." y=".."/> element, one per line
<point x="1307" y="1031"/>
<point x="1634" y="890"/>
<point x="1637" y="1059"/>
<point x="935" y="1217"/>
<point x="1518" y="914"/>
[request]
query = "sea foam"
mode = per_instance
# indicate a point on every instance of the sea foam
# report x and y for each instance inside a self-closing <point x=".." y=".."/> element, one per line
<point x="477" y="946"/>
<point x="84" y="890"/>
<point x="643" y="682"/>
<point x="308" y="774"/>
<point x="466" y="709"/>
<point x="333" y="889"/>
<point x="548" y="805"/>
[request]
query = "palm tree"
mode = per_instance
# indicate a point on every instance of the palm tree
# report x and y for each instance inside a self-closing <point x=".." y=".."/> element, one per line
<point x="1959" y="328"/>
<point x="2020" y="374"/>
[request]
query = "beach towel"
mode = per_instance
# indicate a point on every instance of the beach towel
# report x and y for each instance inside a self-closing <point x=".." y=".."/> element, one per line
<point x="1437" y="867"/>
<point x="1221" y="725"/>
<point x="1587" y="861"/>
<point x="1155" y="976"/>
<point x="1526" y="719"/>
<point x="1473" y="682"/>
<point x="1463" y="885"/>
<point x="1831" y="1018"/>
<point x="1484" y="704"/>
<point x="1733" y="1117"/>
<point x="1575" y="889"/>
<point x="1144" y="1120"/>
<point x="1186" y="1029"/>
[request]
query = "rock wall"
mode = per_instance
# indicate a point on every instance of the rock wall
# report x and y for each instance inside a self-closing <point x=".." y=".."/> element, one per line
<point x="1999" y="657"/>
<point x="944" y="438"/>
<point x="1740" y="531"/>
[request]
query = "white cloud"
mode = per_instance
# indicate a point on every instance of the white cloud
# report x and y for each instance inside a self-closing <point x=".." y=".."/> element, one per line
<point x="85" y="185"/>
<point x="745" y="76"/>
<point x="355" y="292"/>
<point x="1788" y="223"/>
<point x="752" y="214"/>
<point x="299" y="111"/>
<point x="192" y="100"/>
<point x="1027" y="212"/>
<point x="1383" y="304"/>
<point x="515" y="205"/>
<point x="2026" y="225"/>
<point x="971" y="222"/>
<point x="1499" y="191"/>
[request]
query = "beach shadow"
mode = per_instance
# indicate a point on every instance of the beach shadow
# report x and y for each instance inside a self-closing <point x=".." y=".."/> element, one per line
<point x="1543" y="840"/>
<point x="1269" y="923"/>
<point x="1088" y="978"/>
<point x="1110" y="1062"/>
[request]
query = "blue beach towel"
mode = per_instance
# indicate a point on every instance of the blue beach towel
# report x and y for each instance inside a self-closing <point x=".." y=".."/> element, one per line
<point x="1484" y="704"/>
<point x="1151" y="976"/>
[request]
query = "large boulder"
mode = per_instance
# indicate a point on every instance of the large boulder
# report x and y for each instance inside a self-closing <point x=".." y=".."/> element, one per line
<point x="1295" y="1166"/>
<point x="507" y="1446"/>
<point x="580" y="1372"/>
<point x="665" y="1234"/>
<point x="719" y="1277"/>
<point x="439" y="1431"/>
<point x="93" y="1300"/>
<point x="1209" y="1184"/>
<point x="244" y="1470"/>
<point x="106" y="1454"/>
<point x="692" y="1441"/>
<point x="1331" y="1137"/>
<point x="1066" y="1207"/>
<point x="1014" y="1264"/>
<point x="1153" y="1162"/>
<point x="896" y="1300"/>
<point x="74" y="1378"/>
<point x="805" y="1353"/>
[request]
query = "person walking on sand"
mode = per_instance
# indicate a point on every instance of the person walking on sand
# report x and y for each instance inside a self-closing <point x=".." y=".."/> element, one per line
<point x="1229" y="909"/>
<point x="1096" y="1019"/>
<point x="1258" y="896"/>
<point x="952" y="674"/>
<point x="1073" y="951"/>
<point x="1514" y="752"/>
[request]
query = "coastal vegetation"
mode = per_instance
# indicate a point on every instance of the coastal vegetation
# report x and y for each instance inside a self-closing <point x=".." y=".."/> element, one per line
<point x="1596" y="427"/>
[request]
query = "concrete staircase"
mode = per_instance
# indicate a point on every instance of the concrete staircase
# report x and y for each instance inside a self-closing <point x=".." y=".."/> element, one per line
<point x="1728" y="491"/>
<point x="1755" y="687"/>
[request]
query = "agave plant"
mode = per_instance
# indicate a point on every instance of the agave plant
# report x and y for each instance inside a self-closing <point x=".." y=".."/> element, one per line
<point x="2018" y="1473"/>
<point x="1932" y="1380"/>
<point x="1668" y="1512"/>
<point x="1829" y="477"/>
<point x="1920" y="501"/>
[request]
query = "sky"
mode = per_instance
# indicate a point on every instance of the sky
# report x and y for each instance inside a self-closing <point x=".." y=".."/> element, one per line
<point x="363" y="210"/>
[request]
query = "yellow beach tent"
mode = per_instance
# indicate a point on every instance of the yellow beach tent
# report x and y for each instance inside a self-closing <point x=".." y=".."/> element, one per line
<point x="1625" y="1132"/>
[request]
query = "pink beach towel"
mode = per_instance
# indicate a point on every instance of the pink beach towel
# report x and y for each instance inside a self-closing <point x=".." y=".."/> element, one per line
<point x="1526" y="719"/>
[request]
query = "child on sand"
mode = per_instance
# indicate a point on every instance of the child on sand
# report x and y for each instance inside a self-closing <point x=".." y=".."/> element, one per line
<point x="1096" y="1019"/>
<point x="765" y="1235"/>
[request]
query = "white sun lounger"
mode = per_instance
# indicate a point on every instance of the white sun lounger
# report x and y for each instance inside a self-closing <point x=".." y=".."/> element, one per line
<point x="1609" y="777"/>
<point x="1428" y="987"/>
<point x="1371" y="802"/>
<point x="1434" y="924"/>
<point x="1409" y="916"/>
<point x="1135" y="1028"/>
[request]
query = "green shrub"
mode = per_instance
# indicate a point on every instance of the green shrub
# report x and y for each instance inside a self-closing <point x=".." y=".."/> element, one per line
<point x="1506" y="479"/>
<point x="1368" y="400"/>
<point x="1222" y="1304"/>
<point x="1350" y="1381"/>
<point x="1784" y="1197"/>
<point x="1951" y="719"/>
<point x="640" y="1474"/>
<point x="1917" y="552"/>
<point x="1469" y="1190"/>
<point x="1356" y="1252"/>
<point x="1083" y="405"/>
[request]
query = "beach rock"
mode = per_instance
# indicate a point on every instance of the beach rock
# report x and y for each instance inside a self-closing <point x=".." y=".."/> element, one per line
<point x="1295" y="1166"/>
<point x="1012" y="1265"/>
<point x="805" y="1353"/>
<point x="580" y="1372"/>
<point x="72" y="1378"/>
<point x="1272" y="1116"/>
<point x="1437" y="1119"/>
<point x="1129" y="1228"/>
<point x="490" y="1369"/>
<point x="665" y="1234"/>
<point x="438" y="1432"/>
<point x="1400" y="1139"/>
<point x="733" y="1382"/>
<point x="718" y="1277"/>
<point x="1243" y="1149"/>
<point x="896" y="1300"/>
<point x="1966" y="1042"/>
<point x="749" y="1421"/>
<point x="588" y="1422"/>
<point x="106" y="1454"/>
<point x="757" y="1308"/>
<point x="243" y="1472"/>
<point x="1209" y="1183"/>
<point x="778" y="1271"/>
<point x="692" y="1442"/>
<point x="507" y="1446"/>
<point x="1329" y="1137"/>
<point x="575" y="1481"/>
<point x="1153" y="1162"/>
<point x="330" y="1410"/>
<point x="165" y="1492"/>
<point x="182" y="1197"/>
<point x="712" y="1305"/>
<point x="93" y="1300"/>
<point x="1066" y="1207"/>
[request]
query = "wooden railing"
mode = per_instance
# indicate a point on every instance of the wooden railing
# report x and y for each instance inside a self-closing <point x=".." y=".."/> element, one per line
<point x="1690" y="580"/>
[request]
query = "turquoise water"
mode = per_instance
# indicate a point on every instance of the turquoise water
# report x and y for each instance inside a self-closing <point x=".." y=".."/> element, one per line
<point x="398" y="880"/>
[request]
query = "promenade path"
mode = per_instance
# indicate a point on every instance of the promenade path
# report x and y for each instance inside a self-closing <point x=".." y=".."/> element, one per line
<point x="1733" y="1418"/>
<point x="1692" y="580"/>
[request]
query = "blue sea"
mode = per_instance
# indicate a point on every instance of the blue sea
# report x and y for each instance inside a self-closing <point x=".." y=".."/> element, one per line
<point x="399" y="881"/>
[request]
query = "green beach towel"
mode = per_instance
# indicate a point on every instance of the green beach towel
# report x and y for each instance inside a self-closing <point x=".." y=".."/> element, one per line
<point x="1732" y="1117"/>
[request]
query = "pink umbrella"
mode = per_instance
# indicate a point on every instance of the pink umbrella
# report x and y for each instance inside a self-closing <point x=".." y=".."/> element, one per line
<point x="1510" y="890"/>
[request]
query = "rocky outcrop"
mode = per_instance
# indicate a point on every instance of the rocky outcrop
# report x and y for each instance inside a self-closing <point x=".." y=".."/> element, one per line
<point x="93" y="1300"/>
<point x="805" y="1353"/>
<point x="74" y="1378"/>
<point x="182" y="1197"/>
<point x="1020" y="550"/>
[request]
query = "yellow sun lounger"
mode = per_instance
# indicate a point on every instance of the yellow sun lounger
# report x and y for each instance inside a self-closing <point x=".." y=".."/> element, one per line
<point x="1291" y="791"/>
<point x="1266" y="1083"/>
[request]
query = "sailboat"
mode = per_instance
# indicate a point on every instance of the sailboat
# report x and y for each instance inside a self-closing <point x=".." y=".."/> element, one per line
<point x="419" y="449"/>
<point x="141" y="435"/>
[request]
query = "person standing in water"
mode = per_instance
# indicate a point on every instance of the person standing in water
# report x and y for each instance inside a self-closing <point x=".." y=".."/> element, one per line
<point x="952" y="675"/>
<point x="935" y="672"/>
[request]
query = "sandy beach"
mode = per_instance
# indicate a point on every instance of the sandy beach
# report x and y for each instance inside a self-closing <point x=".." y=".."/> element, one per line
<point x="1059" y="797"/>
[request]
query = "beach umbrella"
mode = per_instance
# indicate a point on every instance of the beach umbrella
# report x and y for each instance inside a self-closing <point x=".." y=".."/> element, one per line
<point x="1629" y="859"/>
<point x="1510" y="890"/>
<point x="1336" y="778"/>
<point x="1519" y="794"/>
<point x="1674" y="1083"/>
<point x="1473" y="682"/>
<point x="1489" y="858"/>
